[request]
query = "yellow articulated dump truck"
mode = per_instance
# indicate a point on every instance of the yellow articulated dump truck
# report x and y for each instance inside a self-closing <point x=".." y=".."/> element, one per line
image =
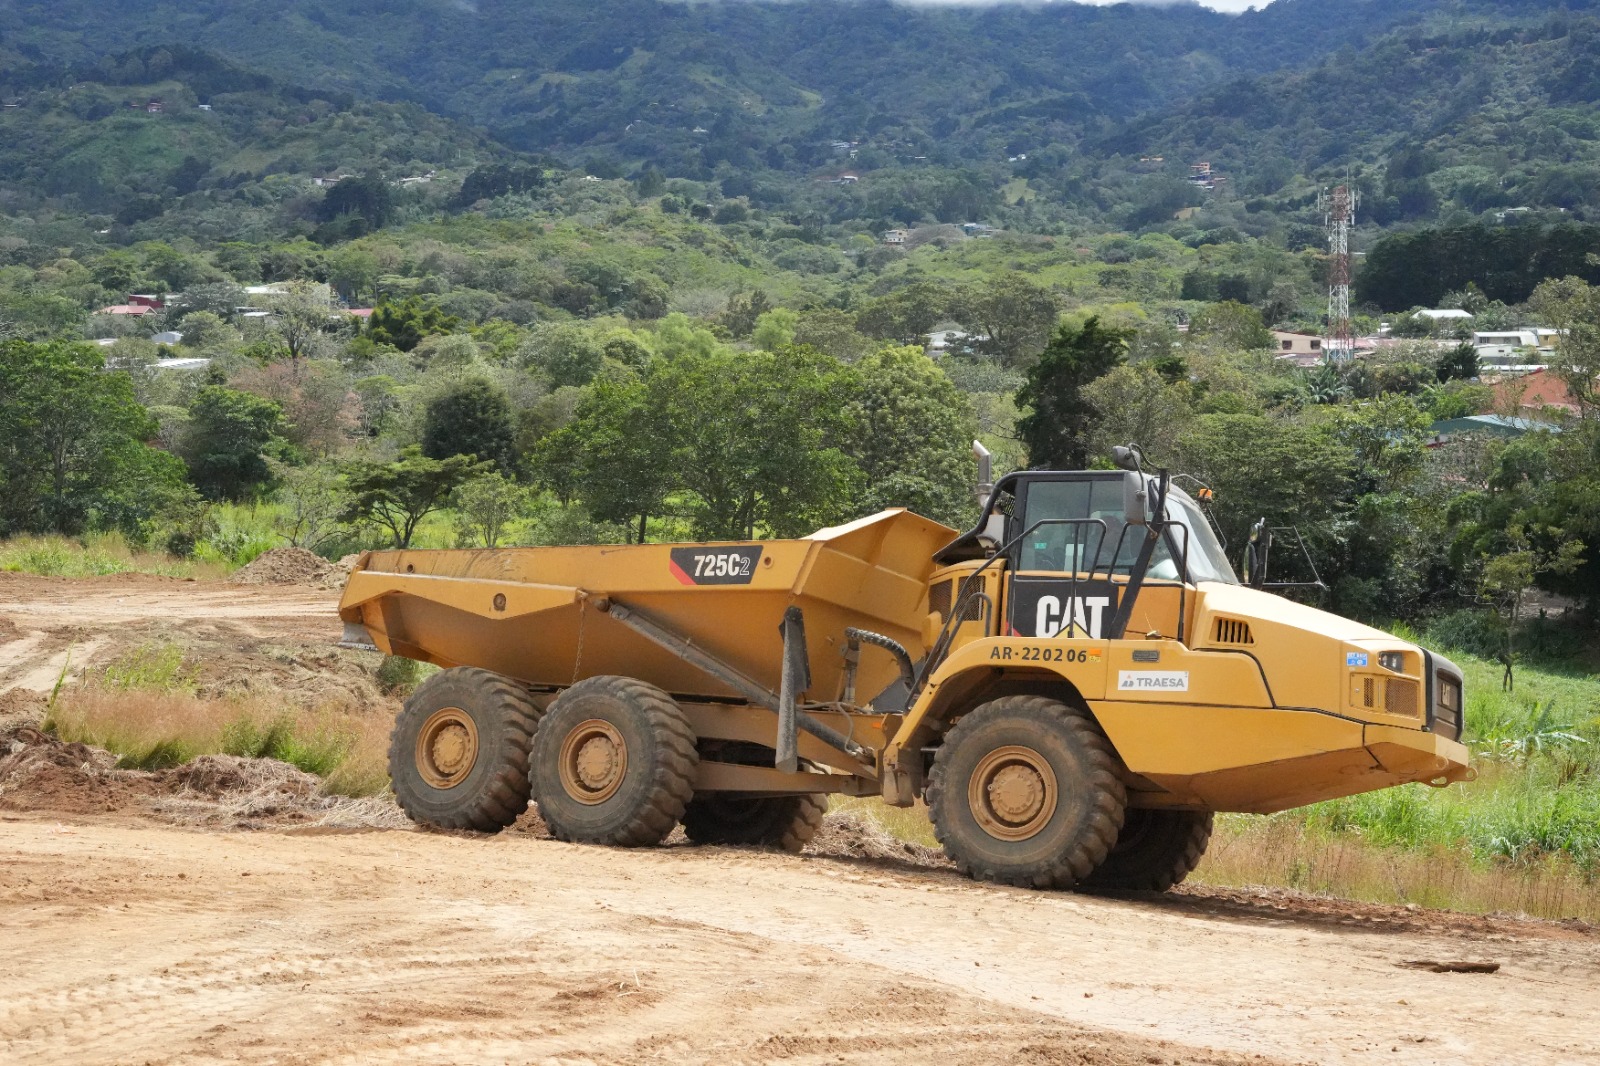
<point x="1073" y="686"/>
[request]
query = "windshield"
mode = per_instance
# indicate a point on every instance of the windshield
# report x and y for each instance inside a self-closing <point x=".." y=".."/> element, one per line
<point x="1207" y="560"/>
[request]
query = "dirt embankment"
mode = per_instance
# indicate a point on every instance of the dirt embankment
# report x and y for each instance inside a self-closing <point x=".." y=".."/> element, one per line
<point x="268" y="637"/>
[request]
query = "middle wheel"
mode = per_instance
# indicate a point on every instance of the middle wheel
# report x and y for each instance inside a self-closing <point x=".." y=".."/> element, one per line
<point x="613" y="763"/>
<point x="787" y="822"/>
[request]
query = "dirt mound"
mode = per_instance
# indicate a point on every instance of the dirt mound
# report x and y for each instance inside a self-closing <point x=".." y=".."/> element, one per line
<point x="38" y="772"/>
<point x="855" y="835"/>
<point x="19" y="707"/>
<point x="289" y="566"/>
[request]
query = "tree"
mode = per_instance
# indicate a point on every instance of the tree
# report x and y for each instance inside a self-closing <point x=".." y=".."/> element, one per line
<point x="1012" y="317"/>
<point x="471" y="418"/>
<point x="403" y="325"/>
<point x="356" y="206"/>
<point x="301" y="314"/>
<point x="1458" y="364"/>
<point x="1572" y="307"/>
<point x="618" y="450"/>
<point x="912" y="437"/>
<point x="397" y="496"/>
<point x="1139" y="403"/>
<point x="774" y="330"/>
<point x="311" y="501"/>
<point x="564" y="352"/>
<point x="756" y="437"/>
<point x="907" y="315"/>
<point x="743" y="309"/>
<point x="1507" y="577"/>
<point x="1285" y="471"/>
<point x="1058" y="429"/>
<point x="320" y="411"/>
<point x="353" y="271"/>
<point x="72" y="444"/>
<point x="486" y="507"/>
<point x="226" y="444"/>
<point x="1230" y="325"/>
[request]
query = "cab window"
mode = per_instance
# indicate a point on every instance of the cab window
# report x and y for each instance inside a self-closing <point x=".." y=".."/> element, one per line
<point x="1062" y="547"/>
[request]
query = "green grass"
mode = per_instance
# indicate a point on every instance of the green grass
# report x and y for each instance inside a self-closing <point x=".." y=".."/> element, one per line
<point x="96" y="555"/>
<point x="1537" y="752"/>
<point x="152" y="719"/>
<point x="161" y="667"/>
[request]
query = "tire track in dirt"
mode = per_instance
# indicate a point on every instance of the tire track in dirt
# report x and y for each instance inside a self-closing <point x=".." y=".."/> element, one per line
<point x="169" y="946"/>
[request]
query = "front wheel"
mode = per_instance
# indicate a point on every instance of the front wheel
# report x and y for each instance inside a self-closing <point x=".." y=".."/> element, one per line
<point x="1024" y="791"/>
<point x="614" y="763"/>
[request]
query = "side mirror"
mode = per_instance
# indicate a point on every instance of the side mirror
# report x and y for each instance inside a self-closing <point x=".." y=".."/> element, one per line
<point x="1135" y="499"/>
<point x="1256" y="553"/>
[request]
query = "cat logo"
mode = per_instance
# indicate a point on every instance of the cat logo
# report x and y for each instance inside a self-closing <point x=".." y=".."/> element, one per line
<point x="1087" y="618"/>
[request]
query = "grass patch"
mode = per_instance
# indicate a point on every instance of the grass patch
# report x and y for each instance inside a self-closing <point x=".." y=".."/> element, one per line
<point x="1282" y="850"/>
<point x="97" y="555"/>
<point x="152" y="728"/>
<point x="161" y="667"/>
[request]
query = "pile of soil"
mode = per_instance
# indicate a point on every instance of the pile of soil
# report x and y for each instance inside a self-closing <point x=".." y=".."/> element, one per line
<point x="290" y="566"/>
<point x="853" y="834"/>
<point x="39" y="772"/>
<point x="20" y="708"/>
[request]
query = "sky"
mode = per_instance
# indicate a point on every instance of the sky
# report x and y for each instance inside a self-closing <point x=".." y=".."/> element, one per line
<point x="1215" y="5"/>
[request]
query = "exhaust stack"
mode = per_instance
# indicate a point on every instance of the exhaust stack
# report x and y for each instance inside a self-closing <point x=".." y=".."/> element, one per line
<point x="985" y="473"/>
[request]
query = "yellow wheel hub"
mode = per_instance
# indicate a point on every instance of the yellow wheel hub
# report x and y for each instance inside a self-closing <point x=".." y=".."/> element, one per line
<point x="594" y="760"/>
<point x="447" y="747"/>
<point x="1012" y="792"/>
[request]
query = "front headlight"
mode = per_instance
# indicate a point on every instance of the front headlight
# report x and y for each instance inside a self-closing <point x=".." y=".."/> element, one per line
<point x="1393" y="660"/>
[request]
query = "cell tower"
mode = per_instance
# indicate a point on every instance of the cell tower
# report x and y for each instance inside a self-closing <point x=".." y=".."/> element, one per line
<point x="1339" y="209"/>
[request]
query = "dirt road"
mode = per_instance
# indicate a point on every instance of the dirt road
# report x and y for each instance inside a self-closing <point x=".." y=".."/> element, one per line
<point x="127" y="943"/>
<point x="241" y="636"/>
<point x="122" y="940"/>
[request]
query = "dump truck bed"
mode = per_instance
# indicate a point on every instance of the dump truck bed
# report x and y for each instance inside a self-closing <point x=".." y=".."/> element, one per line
<point x="534" y="613"/>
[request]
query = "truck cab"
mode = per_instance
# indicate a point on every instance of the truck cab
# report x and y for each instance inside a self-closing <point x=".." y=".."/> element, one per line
<point x="1112" y="590"/>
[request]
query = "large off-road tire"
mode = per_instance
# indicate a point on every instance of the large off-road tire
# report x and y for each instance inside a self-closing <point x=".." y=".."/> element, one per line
<point x="1154" y="851"/>
<point x="614" y="763"/>
<point x="458" y="756"/>
<point x="1024" y="791"/>
<point x="787" y="822"/>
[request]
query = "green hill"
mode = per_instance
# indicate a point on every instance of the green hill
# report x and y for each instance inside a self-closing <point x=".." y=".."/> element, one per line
<point x="173" y="130"/>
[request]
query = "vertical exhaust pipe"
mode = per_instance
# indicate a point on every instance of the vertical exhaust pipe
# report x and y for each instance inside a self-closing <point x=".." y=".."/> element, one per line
<point x="985" y="473"/>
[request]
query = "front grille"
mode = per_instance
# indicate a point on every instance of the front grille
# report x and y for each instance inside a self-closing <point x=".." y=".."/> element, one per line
<point x="939" y="599"/>
<point x="1447" y="706"/>
<point x="1233" y="631"/>
<point x="1369" y="691"/>
<point x="1400" y="696"/>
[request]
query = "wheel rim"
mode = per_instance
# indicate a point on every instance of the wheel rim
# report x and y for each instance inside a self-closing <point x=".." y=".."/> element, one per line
<point x="447" y="747"/>
<point x="1012" y="792"/>
<point x="594" y="760"/>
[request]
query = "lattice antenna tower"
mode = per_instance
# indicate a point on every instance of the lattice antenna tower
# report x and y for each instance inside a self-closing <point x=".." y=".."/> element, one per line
<point x="1339" y="211"/>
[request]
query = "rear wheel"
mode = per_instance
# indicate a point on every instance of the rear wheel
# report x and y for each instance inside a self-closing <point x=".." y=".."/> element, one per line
<point x="1024" y="791"/>
<point x="458" y="756"/>
<point x="614" y="763"/>
<point x="1154" y="851"/>
<point x="787" y="822"/>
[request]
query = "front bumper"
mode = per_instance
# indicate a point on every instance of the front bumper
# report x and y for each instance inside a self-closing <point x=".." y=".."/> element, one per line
<point x="1413" y="755"/>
